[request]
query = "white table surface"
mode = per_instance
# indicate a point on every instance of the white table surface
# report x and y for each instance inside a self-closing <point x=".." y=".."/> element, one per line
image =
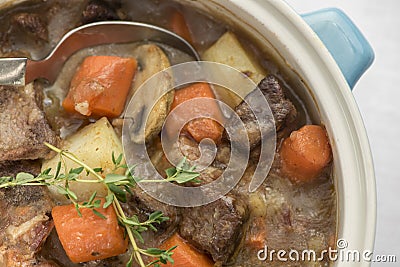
<point x="378" y="97"/>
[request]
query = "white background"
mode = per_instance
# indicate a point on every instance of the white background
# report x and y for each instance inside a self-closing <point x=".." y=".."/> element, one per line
<point x="378" y="97"/>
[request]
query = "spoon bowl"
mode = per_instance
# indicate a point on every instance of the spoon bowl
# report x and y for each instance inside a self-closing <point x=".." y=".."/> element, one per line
<point x="21" y="71"/>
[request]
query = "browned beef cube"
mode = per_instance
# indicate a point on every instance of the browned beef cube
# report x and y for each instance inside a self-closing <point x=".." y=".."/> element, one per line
<point x="282" y="109"/>
<point x="24" y="225"/>
<point x="142" y="205"/>
<point x="98" y="10"/>
<point x="23" y="126"/>
<point x="32" y="24"/>
<point x="11" y="168"/>
<point x="215" y="228"/>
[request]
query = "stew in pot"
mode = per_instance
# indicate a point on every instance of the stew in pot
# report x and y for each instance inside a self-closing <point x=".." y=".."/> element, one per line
<point x="69" y="198"/>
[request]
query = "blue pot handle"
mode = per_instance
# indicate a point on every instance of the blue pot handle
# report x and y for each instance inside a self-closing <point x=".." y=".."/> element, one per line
<point x="344" y="41"/>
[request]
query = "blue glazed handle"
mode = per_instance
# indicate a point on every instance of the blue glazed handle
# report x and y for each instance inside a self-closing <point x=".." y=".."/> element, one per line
<point x="344" y="41"/>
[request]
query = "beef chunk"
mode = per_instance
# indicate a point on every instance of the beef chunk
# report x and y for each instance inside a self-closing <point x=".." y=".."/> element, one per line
<point x="23" y="126"/>
<point x="25" y="224"/>
<point x="98" y="10"/>
<point x="11" y="168"/>
<point x="189" y="148"/>
<point x="282" y="109"/>
<point x="32" y="24"/>
<point x="142" y="205"/>
<point x="215" y="228"/>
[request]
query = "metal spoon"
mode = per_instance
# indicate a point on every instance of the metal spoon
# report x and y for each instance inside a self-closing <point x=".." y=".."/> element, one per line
<point x="21" y="71"/>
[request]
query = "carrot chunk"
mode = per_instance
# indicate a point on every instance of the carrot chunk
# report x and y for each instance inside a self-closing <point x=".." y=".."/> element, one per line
<point x="199" y="128"/>
<point x="184" y="254"/>
<point x="305" y="153"/>
<point x="179" y="26"/>
<point x="100" y="86"/>
<point x="89" y="237"/>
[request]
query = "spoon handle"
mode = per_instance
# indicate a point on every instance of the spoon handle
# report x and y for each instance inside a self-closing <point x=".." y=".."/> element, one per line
<point x="12" y="71"/>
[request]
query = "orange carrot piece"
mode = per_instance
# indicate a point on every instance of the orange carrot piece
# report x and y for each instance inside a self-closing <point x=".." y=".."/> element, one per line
<point x="184" y="254"/>
<point x="199" y="128"/>
<point x="305" y="153"/>
<point x="89" y="237"/>
<point x="179" y="26"/>
<point x="100" y="86"/>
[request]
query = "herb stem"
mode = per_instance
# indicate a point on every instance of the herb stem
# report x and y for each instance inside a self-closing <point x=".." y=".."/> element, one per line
<point x="116" y="204"/>
<point x="143" y="251"/>
<point x="74" y="159"/>
<point x="89" y="181"/>
<point x="155" y="181"/>
<point x="11" y="184"/>
<point x="135" y="247"/>
<point x="37" y="184"/>
<point x="5" y="185"/>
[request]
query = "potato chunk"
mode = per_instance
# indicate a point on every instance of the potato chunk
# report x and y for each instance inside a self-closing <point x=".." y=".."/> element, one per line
<point x="228" y="50"/>
<point x="93" y="145"/>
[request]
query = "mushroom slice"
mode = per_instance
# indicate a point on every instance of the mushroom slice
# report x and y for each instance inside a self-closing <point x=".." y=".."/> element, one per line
<point x="152" y="60"/>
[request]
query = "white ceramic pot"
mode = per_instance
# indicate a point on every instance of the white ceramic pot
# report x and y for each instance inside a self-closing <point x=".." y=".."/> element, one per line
<point x="327" y="90"/>
<point x="327" y="87"/>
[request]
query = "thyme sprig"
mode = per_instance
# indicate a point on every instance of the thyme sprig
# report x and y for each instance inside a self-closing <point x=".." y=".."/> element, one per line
<point x="182" y="173"/>
<point x="118" y="186"/>
<point x="138" y="227"/>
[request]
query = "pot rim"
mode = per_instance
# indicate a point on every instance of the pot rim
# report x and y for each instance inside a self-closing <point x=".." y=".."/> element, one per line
<point x="305" y="53"/>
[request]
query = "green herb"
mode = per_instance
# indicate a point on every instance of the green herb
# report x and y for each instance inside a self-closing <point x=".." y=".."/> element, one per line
<point x="180" y="174"/>
<point x="119" y="186"/>
<point x="138" y="227"/>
